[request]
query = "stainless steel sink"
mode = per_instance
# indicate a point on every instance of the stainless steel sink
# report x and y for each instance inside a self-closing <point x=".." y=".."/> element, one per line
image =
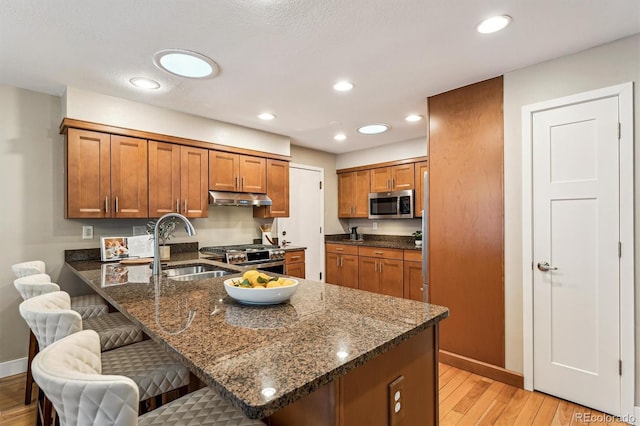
<point x="195" y="272"/>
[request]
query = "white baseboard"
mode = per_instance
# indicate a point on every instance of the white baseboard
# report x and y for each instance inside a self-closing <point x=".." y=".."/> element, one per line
<point x="17" y="366"/>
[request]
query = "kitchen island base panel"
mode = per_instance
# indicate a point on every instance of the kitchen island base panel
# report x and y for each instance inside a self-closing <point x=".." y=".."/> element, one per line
<point x="363" y="396"/>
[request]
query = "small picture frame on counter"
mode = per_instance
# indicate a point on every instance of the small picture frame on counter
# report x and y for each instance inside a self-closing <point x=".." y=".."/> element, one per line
<point x="118" y="248"/>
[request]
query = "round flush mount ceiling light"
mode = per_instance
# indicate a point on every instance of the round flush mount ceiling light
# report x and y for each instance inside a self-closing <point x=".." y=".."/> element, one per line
<point x="413" y="117"/>
<point x="144" y="83"/>
<point x="343" y="86"/>
<point x="493" y="24"/>
<point x="266" y="116"/>
<point x="340" y="137"/>
<point x="185" y="63"/>
<point x="373" y="129"/>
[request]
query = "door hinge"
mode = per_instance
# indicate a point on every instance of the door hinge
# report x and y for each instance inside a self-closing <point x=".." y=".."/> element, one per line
<point x="320" y="184"/>
<point x="619" y="131"/>
<point x="619" y="249"/>
<point x="620" y="367"/>
<point x="320" y="276"/>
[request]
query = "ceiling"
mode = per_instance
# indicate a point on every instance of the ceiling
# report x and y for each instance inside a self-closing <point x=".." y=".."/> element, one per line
<point x="283" y="56"/>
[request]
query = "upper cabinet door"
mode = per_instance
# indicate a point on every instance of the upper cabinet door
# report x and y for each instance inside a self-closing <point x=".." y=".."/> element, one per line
<point x="421" y="168"/>
<point x="129" y="181"/>
<point x="224" y="171"/>
<point x="88" y="174"/>
<point x="381" y="179"/>
<point x="361" y="194"/>
<point x="277" y="190"/>
<point x="403" y="177"/>
<point x="164" y="178"/>
<point x="194" y="170"/>
<point x="346" y="187"/>
<point x="253" y="174"/>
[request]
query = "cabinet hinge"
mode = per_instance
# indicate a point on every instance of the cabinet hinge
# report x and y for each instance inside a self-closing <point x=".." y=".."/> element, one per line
<point x="619" y="249"/>
<point x="620" y="367"/>
<point x="321" y="229"/>
<point x="320" y="276"/>
<point x="320" y="184"/>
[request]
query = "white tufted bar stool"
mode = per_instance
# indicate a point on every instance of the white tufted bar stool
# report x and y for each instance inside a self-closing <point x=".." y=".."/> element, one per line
<point x="71" y="371"/>
<point x="114" y="329"/>
<point x="146" y="363"/>
<point x="88" y="305"/>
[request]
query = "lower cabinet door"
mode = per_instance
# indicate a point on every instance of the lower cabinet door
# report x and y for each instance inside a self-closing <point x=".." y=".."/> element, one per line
<point x="296" y="270"/>
<point x="368" y="277"/>
<point x="332" y="264"/>
<point x="413" y="281"/>
<point x="391" y="277"/>
<point x="349" y="271"/>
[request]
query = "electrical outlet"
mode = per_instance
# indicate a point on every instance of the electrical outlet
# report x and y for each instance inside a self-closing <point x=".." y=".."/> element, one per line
<point x="139" y="230"/>
<point x="87" y="232"/>
<point x="396" y="399"/>
<point x="375" y="225"/>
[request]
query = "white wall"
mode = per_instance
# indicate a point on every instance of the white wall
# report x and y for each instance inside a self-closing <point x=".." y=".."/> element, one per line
<point x="603" y="66"/>
<point x="396" y="151"/>
<point x="98" y="108"/>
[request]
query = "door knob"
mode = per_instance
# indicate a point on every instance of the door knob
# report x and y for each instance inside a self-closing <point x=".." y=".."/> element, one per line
<point x="544" y="267"/>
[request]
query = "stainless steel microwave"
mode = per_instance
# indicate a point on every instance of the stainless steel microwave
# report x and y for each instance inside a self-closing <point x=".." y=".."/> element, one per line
<point x="391" y="204"/>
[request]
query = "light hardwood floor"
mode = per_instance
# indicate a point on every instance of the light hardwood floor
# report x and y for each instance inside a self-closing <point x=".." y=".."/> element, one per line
<point x="465" y="399"/>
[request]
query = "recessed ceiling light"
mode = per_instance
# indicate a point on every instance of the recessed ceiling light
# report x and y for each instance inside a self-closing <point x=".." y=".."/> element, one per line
<point x="185" y="63"/>
<point x="266" y="116"/>
<point x="343" y="86"/>
<point x="413" y="117"/>
<point x="494" y="24"/>
<point x="145" y="83"/>
<point x="340" y="137"/>
<point x="373" y="129"/>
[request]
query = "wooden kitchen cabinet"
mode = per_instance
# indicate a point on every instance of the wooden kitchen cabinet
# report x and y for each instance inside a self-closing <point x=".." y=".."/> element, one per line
<point x="353" y="194"/>
<point x="295" y="263"/>
<point x="421" y="168"/>
<point x="106" y="175"/>
<point x="237" y="173"/>
<point x="277" y="190"/>
<point x="178" y="177"/>
<point x="394" y="178"/>
<point x="381" y="270"/>
<point x="412" y="276"/>
<point x="341" y="264"/>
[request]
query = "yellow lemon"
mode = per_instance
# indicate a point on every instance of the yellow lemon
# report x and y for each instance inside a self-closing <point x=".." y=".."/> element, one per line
<point x="249" y="274"/>
<point x="272" y="284"/>
<point x="287" y="282"/>
<point x="259" y="286"/>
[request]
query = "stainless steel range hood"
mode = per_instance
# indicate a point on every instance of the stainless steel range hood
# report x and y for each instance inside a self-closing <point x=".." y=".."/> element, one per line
<point x="220" y="198"/>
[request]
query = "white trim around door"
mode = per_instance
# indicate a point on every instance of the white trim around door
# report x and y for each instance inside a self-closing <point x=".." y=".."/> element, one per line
<point x="624" y="92"/>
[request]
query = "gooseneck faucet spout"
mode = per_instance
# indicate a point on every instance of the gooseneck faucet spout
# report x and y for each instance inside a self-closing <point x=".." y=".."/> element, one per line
<point x="157" y="270"/>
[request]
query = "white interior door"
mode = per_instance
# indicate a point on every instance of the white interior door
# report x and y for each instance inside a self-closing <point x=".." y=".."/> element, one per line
<point x="576" y="232"/>
<point x="304" y="226"/>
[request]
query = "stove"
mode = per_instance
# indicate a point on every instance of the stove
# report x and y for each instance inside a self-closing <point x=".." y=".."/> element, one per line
<point x="270" y="258"/>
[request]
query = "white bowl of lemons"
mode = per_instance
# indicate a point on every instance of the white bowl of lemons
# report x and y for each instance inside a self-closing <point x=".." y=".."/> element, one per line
<point x="258" y="288"/>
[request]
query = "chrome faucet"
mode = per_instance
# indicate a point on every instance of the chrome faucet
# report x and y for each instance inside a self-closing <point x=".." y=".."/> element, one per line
<point x="157" y="270"/>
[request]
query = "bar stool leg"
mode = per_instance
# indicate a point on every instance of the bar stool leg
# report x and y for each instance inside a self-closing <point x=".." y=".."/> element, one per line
<point x="33" y="350"/>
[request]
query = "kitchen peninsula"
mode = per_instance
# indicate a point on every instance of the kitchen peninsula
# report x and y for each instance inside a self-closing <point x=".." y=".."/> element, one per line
<point x="331" y="356"/>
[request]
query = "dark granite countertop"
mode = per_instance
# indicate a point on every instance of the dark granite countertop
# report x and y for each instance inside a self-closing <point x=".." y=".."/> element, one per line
<point x="382" y="241"/>
<point x="323" y="332"/>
